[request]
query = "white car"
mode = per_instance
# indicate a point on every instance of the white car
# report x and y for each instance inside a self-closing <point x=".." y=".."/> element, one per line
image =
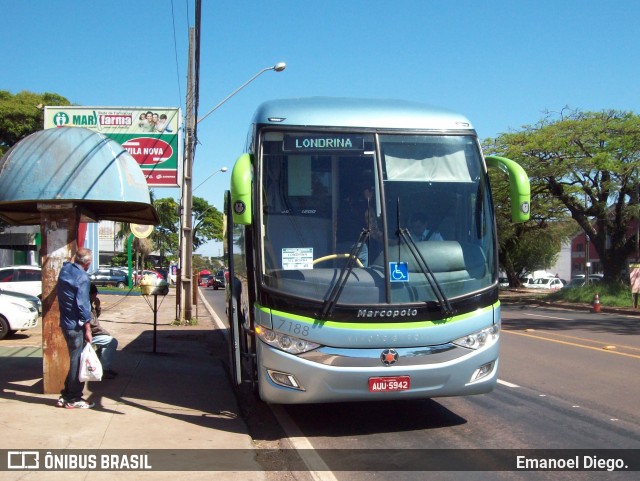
<point x="18" y="312"/>
<point x="25" y="279"/>
<point x="551" y="284"/>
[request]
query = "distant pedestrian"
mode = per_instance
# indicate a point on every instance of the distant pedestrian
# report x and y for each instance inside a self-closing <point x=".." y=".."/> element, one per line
<point x="75" y="323"/>
<point x="100" y="337"/>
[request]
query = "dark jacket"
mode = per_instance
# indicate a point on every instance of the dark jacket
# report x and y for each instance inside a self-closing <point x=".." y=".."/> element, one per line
<point x="73" y="296"/>
<point x="96" y="327"/>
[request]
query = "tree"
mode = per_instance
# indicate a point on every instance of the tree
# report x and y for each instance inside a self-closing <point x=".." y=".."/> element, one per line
<point x="22" y="114"/>
<point x="166" y="234"/>
<point x="589" y="162"/>
<point x="143" y="247"/>
<point x="207" y="222"/>
<point x="535" y="244"/>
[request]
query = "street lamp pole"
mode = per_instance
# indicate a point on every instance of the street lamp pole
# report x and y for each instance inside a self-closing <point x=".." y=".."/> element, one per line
<point x="186" y="230"/>
<point x="279" y="67"/>
<point x="223" y="169"/>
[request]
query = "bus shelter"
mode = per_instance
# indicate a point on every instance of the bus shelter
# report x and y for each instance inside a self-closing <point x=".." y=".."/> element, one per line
<point x="59" y="179"/>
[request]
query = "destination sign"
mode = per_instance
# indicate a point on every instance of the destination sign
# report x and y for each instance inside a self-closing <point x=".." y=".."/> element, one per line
<point x="322" y="142"/>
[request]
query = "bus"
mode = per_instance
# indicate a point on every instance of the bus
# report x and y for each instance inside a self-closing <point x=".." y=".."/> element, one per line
<point x="362" y="253"/>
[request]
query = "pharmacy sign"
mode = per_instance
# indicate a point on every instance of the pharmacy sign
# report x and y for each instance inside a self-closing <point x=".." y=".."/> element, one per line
<point x="152" y="135"/>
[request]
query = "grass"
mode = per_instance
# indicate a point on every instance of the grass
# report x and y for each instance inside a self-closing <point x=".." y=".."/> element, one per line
<point x="116" y="290"/>
<point x="612" y="295"/>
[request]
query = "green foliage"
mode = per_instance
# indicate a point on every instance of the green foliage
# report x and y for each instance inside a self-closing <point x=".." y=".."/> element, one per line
<point x="207" y="224"/>
<point x="22" y="114"/>
<point x="617" y="294"/>
<point x="166" y="235"/>
<point x="119" y="259"/>
<point x="584" y="165"/>
<point x="535" y="244"/>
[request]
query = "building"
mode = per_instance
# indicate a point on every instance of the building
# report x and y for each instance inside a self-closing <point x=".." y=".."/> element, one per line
<point x="585" y="258"/>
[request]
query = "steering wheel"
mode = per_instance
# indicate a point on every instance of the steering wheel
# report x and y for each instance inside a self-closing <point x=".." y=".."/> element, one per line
<point x="337" y="256"/>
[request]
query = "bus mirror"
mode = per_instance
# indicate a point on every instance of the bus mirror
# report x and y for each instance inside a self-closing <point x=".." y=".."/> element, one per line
<point x="518" y="186"/>
<point x="241" y="190"/>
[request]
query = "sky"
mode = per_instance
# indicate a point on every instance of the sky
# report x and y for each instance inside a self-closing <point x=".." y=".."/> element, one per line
<point x="503" y="63"/>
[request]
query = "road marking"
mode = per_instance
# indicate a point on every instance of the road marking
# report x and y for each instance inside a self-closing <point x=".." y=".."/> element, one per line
<point x="549" y="317"/>
<point x="508" y="384"/>
<point x="216" y="320"/>
<point x="318" y="469"/>
<point x="592" y="341"/>
<point x="599" y="349"/>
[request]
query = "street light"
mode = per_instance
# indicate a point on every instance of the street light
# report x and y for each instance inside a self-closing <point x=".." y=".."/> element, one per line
<point x="223" y="169"/>
<point x="279" y="67"/>
<point x="186" y="231"/>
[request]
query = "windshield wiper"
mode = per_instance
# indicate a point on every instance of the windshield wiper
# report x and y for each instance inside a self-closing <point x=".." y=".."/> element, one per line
<point x="332" y="299"/>
<point x="445" y="305"/>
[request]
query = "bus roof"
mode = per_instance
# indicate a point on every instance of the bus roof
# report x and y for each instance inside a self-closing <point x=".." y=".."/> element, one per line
<point x="358" y="113"/>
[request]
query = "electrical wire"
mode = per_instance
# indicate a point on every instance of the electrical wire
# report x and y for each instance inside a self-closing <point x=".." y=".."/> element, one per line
<point x="175" y="49"/>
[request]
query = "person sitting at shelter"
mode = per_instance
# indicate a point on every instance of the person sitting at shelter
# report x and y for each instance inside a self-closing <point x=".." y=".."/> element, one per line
<point x="106" y="343"/>
<point x="419" y="230"/>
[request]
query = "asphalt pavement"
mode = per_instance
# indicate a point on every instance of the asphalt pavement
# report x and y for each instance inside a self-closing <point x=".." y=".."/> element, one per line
<point x="171" y="393"/>
<point x="171" y="398"/>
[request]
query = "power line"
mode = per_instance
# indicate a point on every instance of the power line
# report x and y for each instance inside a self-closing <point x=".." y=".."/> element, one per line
<point x="175" y="49"/>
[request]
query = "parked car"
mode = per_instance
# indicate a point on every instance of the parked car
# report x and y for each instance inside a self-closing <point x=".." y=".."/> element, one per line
<point x="503" y="281"/>
<point x="544" y="283"/>
<point x="24" y="279"/>
<point x="18" y="312"/>
<point x="109" y="277"/>
<point x="579" y="281"/>
<point x="527" y="281"/>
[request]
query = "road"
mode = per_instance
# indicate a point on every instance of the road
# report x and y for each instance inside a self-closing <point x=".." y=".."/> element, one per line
<point x="568" y="380"/>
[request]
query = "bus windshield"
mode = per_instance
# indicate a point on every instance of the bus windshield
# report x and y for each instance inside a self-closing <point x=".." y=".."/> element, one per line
<point x="364" y="218"/>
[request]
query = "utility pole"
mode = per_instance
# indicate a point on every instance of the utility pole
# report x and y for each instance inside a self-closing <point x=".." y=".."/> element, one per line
<point x="185" y="297"/>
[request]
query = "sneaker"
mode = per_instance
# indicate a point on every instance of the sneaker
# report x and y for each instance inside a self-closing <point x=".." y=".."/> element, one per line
<point x="109" y="374"/>
<point x="61" y="402"/>
<point x="81" y="404"/>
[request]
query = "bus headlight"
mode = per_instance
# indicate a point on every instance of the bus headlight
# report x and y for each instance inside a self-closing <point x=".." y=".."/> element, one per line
<point x="284" y="342"/>
<point x="479" y="339"/>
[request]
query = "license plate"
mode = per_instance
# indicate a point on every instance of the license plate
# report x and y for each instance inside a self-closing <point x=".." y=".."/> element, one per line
<point x="386" y="384"/>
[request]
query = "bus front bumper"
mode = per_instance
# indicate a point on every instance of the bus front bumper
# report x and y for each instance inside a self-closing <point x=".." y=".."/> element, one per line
<point x="346" y="375"/>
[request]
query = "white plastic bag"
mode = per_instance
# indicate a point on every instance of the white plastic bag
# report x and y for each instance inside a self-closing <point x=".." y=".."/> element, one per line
<point x="90" y="367"/>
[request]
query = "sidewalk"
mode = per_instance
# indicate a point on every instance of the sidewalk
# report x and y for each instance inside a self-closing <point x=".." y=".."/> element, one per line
<point x="176" y="398"/>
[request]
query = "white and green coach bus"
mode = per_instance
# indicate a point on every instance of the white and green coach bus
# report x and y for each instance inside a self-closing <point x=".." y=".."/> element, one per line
<point x="362" y="253"/>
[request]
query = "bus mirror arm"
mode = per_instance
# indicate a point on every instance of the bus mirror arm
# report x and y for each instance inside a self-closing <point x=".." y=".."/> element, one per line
<point x="519" y="188"/>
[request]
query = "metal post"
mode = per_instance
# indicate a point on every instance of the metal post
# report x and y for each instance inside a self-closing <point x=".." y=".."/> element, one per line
<point x="130" y="259"/>
<point x="155" y="320"/>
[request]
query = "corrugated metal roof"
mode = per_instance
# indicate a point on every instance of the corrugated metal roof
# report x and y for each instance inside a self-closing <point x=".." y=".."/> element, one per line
<point x="71" y="164"/>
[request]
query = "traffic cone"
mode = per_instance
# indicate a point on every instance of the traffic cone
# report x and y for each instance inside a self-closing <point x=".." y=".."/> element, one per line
<point x="596" y="303"/>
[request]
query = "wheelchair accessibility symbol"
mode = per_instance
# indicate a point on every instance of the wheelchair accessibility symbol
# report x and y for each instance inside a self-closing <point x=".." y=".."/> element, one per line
<point x="398" y="272"/>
